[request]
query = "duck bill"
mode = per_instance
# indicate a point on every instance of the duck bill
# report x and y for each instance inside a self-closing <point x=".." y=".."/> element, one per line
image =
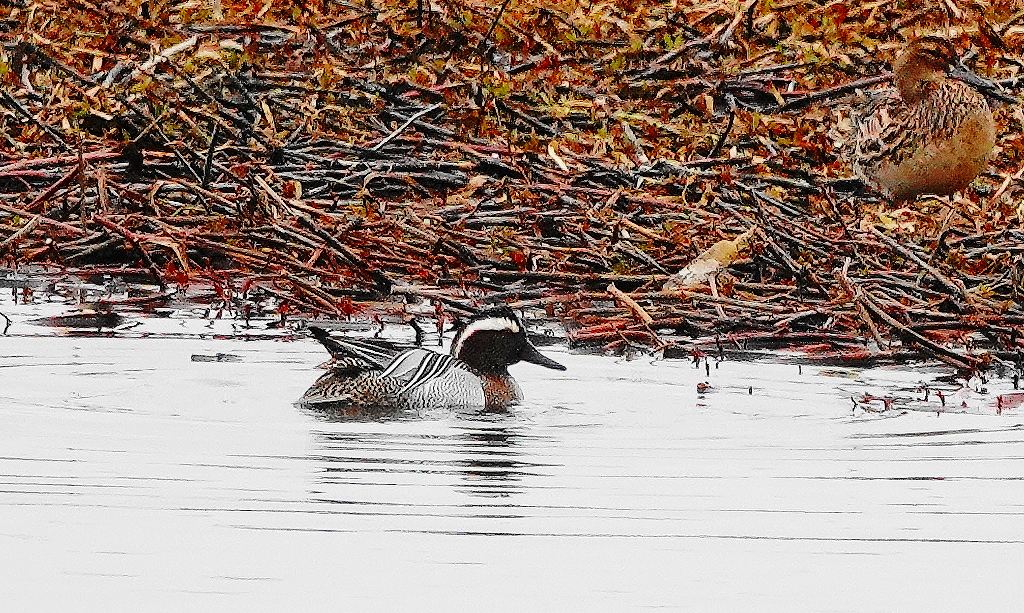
<point x="531" y="355"/>
<point x="983" y="85"/>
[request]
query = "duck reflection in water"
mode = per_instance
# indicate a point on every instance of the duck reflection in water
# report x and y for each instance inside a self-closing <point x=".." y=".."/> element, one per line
<point x="486" y="456"/>
<point x="494" y="467"/>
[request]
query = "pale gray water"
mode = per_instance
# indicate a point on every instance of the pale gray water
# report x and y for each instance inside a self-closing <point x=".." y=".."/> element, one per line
<point x="134" y="478"/>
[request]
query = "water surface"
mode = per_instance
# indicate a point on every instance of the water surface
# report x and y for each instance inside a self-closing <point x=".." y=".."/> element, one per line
<point x="132" y="476"/>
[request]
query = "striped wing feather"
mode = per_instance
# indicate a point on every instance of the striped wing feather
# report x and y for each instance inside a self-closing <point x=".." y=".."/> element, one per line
<point x="376" y="354"/>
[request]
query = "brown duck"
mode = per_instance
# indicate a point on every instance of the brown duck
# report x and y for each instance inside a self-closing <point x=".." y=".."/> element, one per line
<point x="934" y="134"/>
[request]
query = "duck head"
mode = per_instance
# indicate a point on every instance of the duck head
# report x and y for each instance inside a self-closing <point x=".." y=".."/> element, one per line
<point x="929" y="60"/>
<point x="495" y="339"/>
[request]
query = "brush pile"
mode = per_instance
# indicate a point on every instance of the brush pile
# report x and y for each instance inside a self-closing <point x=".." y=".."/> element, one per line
<point x="558" y="155"/>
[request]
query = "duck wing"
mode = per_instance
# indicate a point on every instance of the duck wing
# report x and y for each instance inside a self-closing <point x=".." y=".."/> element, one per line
<point x="879" y="133"/>
<point x="369" y="354"/>
<point x="387" y="370"/>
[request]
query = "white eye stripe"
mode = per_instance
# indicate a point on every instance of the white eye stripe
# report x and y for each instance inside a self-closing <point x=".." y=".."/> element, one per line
<point x="496" y="324"/>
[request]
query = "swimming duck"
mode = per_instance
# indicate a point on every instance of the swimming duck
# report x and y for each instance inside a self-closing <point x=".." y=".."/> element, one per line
<point x="377" y="373"/>
<point x="935" y="133"/>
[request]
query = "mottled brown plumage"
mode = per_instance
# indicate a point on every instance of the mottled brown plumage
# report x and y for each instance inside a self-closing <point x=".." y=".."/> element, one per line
<point x="933" y="135"/>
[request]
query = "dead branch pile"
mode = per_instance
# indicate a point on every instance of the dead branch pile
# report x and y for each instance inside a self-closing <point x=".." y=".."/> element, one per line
<point x="561" y="155"/>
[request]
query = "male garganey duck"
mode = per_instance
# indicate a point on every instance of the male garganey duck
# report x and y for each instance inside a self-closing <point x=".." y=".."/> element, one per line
<point x="936" y="134"/>
<point x="377" y="373"/>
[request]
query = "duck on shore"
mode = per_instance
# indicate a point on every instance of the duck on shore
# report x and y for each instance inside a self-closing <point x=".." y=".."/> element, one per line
<point x="934" y="134"/>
